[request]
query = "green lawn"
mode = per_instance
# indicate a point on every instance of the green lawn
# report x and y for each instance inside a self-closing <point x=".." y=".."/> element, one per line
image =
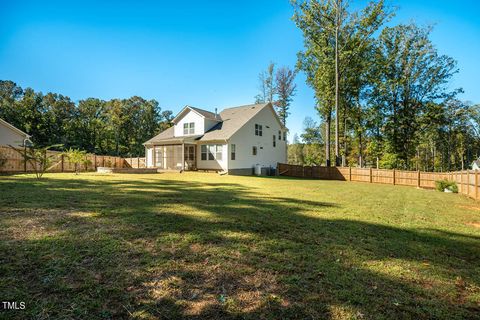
<point x="199" y="245"/>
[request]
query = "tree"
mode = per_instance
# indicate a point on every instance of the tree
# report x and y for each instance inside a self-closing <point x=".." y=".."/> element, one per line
<point x="333" y="37"/>
<point x="39" y="158"/>
<point x="77" y="157"/>
<point x="311" y="132"/>
<point x="410" y="74"/>
<point x="285" y="89"/>
<point x="266" y="81"/>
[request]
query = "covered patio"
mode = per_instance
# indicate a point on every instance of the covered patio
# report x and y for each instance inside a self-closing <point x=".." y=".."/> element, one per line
<point x="173" y="153"/>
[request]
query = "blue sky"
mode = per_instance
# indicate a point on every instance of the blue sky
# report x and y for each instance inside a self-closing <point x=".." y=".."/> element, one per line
<point x="206" y="54"/>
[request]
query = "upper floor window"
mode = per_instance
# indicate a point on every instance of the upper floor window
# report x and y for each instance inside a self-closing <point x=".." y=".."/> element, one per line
<point x="258" y="129"/>
<point x="279" y="135"/>
<point x="284" y="135"/>
<point x="274" y="141"/>
<point x="189" y="128"/>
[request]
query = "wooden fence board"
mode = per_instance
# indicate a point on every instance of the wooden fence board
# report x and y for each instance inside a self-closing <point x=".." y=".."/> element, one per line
<point x="14" y="162"/>
<point x="467" y="181"/>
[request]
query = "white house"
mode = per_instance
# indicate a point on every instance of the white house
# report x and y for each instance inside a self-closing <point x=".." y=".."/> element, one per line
<point x="9" y="135"/>
<point x="235" y="141"/>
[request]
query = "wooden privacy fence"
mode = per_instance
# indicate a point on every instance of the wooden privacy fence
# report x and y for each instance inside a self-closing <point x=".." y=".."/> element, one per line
<point x="14" y="162"/>
<point x="135" y="162"/>
<point x="467" y="181"/>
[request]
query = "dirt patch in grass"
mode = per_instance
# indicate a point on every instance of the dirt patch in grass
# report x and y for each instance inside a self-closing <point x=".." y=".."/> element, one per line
<point x="474" y="224"/>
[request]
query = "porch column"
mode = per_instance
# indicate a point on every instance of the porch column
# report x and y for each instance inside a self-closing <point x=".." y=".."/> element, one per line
<point x="183" y="156"/>
<point x="154" y="164"/>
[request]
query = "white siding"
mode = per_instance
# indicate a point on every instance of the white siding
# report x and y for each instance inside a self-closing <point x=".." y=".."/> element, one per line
<point x="245" y="138"/>
<point x="190" y="117"/>
<point x="10" y="137"/>
<point x="213" y="164"/>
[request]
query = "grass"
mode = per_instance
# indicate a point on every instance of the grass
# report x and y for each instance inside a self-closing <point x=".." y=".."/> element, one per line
<point x="195" y="245"/>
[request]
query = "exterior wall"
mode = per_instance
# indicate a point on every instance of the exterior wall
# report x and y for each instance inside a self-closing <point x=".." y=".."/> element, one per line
<point x="10" y="137"/>
<point x="190" y="117"/>
<point x="149" y="157"/>
<point x="212" y="164"/>
<point x="209" y="124"/>
<point x="245" y="138"/>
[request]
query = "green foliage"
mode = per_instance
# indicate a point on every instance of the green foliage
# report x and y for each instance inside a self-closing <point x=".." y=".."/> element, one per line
<point x="277" y="87"/>
<point x="441" y="185"/>
<point x="116" y="127"/>
<point x="39" y="158"/>
<point x="77" y="157"/>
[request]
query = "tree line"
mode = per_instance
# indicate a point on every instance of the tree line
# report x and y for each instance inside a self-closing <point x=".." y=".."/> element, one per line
<point x="383" y="90"/>
<point x="116" y="127"/>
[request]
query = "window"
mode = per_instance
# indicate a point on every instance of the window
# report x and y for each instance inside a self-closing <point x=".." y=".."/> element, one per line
<point x="254" y="151"/>
<point x="258" y="129"/>
<point x="274" y="141"/>
<point x="279" y="135"/>
<point x="232" y="151"/>
<point x="218" y="155"/>
<point x="284" y="135"/>
<point x="211" y="152"/>
<point x="189" y="128"/>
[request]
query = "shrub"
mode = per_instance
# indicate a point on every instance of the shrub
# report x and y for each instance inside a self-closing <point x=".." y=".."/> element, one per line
<point x="441" y="185"/>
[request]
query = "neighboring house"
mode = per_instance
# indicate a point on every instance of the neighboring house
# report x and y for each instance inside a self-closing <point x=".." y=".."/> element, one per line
<point x="476" y="164"/>
<point x="236" y="140"/>
<point x="9" y="135"/>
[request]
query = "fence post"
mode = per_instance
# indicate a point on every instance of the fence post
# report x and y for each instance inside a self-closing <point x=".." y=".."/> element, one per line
<point x="476" y="184"/>
<point x="138" y="162"/>
<point x="371" y="178"/>
<point x="418" y="178"/>
<point x="61" y="163"/>
<point x="468" y="182"/>
<point x="349" y="173"/>
<point x="393" y="176"/>
<point x="95" y="160"/>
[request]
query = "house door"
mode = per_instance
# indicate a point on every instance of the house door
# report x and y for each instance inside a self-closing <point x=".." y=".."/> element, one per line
<point x="190" y="158"/>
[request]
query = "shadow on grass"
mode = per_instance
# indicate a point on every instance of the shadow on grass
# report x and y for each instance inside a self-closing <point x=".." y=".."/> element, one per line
<point x="167" y="249"/>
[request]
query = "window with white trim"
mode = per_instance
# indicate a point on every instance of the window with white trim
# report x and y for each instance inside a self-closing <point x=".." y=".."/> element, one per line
<point x="254" y="150"/>
<point x="279" y="135"/>
<point x="204" y="152"/>
<point x="274" y="141"/>
<point x="284" y="135"/>
<point x="189" y="128"/>
<point x="211" y="152"/>
<point x="219" y="154"/>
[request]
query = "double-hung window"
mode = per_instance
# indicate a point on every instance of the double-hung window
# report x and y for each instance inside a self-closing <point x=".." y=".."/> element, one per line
<point x="232" y="152"/>
<point x="279" y="135"/>
<point x="258" y="129"/>
<point x="218" y="155"/>
<point x="189" y="128"/>
<point x="274" y="141"/>
<point x="254" y="150"/>
<point x="211" y="152"/>
<point x="204" y="152"/>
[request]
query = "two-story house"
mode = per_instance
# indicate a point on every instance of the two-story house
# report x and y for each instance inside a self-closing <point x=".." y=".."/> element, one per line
<point x="234" y="140"/>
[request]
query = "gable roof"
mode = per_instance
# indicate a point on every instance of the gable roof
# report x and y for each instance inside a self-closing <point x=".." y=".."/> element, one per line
<point x="11" y="127"/>
<point x="204" y="113"/>
<point x="230" y="121"/>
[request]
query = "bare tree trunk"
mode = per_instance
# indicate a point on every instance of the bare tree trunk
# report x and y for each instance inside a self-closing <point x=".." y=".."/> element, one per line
<point x="327" y="139"/>
<point x="337" y="88"/>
